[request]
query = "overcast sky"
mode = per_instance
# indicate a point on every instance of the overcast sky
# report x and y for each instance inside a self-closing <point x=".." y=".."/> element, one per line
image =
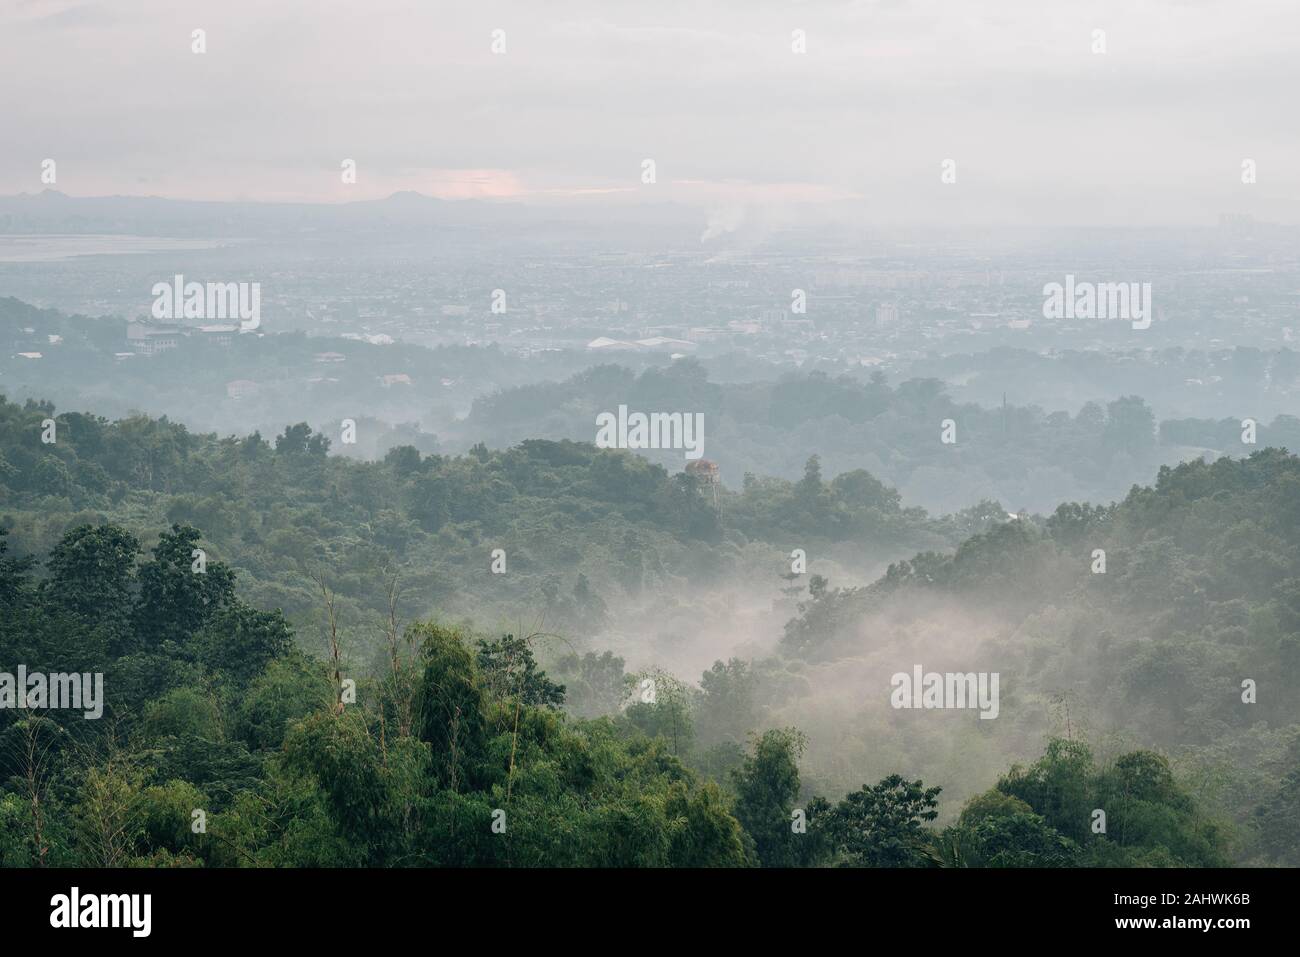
<point x="1042" y="130"/>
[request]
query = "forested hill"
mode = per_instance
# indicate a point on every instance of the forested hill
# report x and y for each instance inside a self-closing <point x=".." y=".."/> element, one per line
<point x="220" y="745"/>
<point x="292" y="671"/>
<point x="83" y="362"/>
<point x="585" y="533"/>
<point x="757" y="418"/>
<point x="1022" y="455"/>
<point x="1171" y="618"/>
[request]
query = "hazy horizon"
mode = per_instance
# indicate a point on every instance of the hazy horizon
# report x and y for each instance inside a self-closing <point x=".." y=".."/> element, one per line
<point x="1155" y="132"/>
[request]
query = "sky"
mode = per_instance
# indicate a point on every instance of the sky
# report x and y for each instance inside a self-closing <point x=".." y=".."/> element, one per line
<point x="1042" y="130"/>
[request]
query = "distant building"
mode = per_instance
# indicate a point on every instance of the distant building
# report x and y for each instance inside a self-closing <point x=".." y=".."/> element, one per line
<point x="886" y="314"/>
<point x="610" y="345"/>
<point x="397" y="378"/>
<point x="218" y="335"/>
<point x="651" y="344"/>
<point x="149" y="339"/>
<point x="662" y="342"/>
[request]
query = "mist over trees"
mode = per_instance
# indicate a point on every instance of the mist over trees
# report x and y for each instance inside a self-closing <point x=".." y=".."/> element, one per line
<point x="338" y="686"/>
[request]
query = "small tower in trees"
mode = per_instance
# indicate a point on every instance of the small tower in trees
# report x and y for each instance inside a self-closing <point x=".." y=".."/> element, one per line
<point x="706" y="473"/>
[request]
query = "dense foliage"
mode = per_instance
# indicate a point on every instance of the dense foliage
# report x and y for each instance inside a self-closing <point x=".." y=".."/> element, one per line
<point x="1172" y="618"/>
<point x="238" y="731"/>
<point x="581" y="528"/>
<point x="221" y="745"/>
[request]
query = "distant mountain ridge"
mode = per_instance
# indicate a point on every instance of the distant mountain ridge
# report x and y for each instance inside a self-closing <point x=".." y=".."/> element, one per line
<point x="53" y="211"/>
